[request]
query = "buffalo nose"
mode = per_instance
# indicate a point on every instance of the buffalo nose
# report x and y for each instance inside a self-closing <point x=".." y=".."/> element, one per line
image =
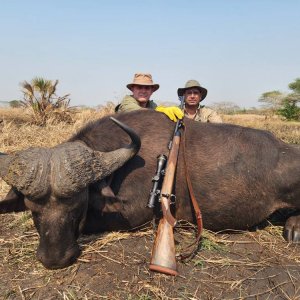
<point x="57" y="259"/>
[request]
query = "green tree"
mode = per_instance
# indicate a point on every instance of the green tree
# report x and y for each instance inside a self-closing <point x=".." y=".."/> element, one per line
<point x="284" y="104"/>
<point x="294" y="97"/>
<point x="40" y="96"/>
<point x="272" y="100"/>
<point x="290" y="110"/>
<point x="295" y="86"/>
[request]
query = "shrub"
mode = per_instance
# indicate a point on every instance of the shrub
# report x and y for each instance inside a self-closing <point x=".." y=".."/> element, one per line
<point x="290" y="111"/>
<point x="15" y="103"/>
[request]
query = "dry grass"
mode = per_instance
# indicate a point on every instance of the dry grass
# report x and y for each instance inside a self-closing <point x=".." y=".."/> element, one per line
<point x="244" y="265"/>
<point x="240" y="266"/>
<point x="17" y="132"/>
<point x="289" y="132"/>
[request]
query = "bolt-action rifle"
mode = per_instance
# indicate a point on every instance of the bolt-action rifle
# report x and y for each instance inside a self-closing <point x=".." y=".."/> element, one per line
<point x="163" y="253"/>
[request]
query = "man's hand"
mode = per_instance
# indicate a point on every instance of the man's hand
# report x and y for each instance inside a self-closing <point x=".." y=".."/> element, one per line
<point x="173" y="112"/>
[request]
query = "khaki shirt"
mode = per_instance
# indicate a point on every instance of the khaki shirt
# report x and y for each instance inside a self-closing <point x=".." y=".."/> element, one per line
<point x="205" y="114"/>
<point x="129" y="103"/>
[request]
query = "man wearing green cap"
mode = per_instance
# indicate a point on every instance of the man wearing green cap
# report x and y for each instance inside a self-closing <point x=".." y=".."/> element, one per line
<point x="142" y="87"/>
<point x="193" y="94"/>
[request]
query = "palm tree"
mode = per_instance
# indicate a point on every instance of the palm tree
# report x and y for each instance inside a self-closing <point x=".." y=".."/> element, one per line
<point x="40" y="96"/>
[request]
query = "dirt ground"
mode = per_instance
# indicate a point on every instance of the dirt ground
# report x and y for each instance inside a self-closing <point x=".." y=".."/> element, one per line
<point x="241" y="265"/>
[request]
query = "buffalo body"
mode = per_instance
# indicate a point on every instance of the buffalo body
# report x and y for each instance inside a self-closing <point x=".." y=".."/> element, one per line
<point x="240" y="176"/>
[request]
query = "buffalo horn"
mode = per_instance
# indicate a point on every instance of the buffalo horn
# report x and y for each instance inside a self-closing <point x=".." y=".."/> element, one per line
<point x="67" y="168"/>
<point x="27" y="171"/>
<point x="75" y="165"/>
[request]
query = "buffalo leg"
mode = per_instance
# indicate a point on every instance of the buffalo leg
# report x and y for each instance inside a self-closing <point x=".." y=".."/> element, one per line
<point x="291" y="231"/>
<point x="13" y="202"/>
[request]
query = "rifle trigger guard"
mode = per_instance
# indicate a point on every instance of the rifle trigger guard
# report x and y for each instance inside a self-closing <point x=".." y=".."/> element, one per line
<point x="172" y="199"/>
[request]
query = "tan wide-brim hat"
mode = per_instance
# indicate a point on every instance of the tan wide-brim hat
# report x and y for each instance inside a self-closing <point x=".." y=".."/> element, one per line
<point x="193" y="84"/>
<point x="143" y="79"/>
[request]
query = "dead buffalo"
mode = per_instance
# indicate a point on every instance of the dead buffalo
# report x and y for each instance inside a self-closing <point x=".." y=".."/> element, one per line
<point x="240" y="176"/>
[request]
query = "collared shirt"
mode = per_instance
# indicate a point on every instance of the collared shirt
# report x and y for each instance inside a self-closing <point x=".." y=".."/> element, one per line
<point x="205" y="115"/>
<point x="129" y="103"/>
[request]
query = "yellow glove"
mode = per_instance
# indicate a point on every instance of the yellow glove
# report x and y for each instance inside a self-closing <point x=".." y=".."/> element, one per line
<point x="173" y="112"/>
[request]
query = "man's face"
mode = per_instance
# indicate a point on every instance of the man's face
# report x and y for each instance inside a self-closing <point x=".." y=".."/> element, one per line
<point x="142" y="93"/>
<point x="192" y="97"/>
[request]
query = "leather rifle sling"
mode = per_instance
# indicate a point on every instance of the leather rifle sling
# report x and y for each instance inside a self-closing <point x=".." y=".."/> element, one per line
<point x="196" y="207"/>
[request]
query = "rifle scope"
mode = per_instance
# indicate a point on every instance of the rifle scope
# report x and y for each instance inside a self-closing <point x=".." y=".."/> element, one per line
<point x="161" y="162"/>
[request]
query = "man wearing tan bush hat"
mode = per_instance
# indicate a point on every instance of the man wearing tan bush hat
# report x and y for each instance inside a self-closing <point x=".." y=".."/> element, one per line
<point x="142" y="87"/>
<point x="193" y="94"/>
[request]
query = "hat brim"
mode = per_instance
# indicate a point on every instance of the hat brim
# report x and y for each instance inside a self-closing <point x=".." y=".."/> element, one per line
<point x="202" y="90"/>
<point x="155" y="86"/>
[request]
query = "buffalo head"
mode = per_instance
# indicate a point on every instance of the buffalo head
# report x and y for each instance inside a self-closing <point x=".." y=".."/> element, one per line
<point x="53" y="184"/>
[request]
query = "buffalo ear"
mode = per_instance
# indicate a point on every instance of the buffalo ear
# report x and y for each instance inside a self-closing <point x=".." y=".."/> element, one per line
<point x="13" y="202"/>
<point x="103" y="199"/>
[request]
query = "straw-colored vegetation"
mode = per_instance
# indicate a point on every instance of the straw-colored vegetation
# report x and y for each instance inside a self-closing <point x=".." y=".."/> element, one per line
<point x="244" y="265"/>
<point x="288" y="131"/>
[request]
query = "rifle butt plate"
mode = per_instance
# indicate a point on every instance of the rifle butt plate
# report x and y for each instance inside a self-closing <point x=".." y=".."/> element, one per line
<point x="162" y="269"/>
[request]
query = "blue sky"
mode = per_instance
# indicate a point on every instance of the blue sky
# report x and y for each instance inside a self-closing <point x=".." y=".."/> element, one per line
<point x="237" y="49"/>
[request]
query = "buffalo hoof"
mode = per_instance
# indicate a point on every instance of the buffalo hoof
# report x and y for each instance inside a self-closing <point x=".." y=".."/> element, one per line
<point x="291" y="230"/>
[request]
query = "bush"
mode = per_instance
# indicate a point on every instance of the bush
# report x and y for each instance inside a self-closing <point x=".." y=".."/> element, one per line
<point x="15" y="103"/>
<point x="290" y="111"/>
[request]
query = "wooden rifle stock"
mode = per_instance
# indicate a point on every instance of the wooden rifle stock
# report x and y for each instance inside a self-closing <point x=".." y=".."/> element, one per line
<point x="163" y="253"/>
